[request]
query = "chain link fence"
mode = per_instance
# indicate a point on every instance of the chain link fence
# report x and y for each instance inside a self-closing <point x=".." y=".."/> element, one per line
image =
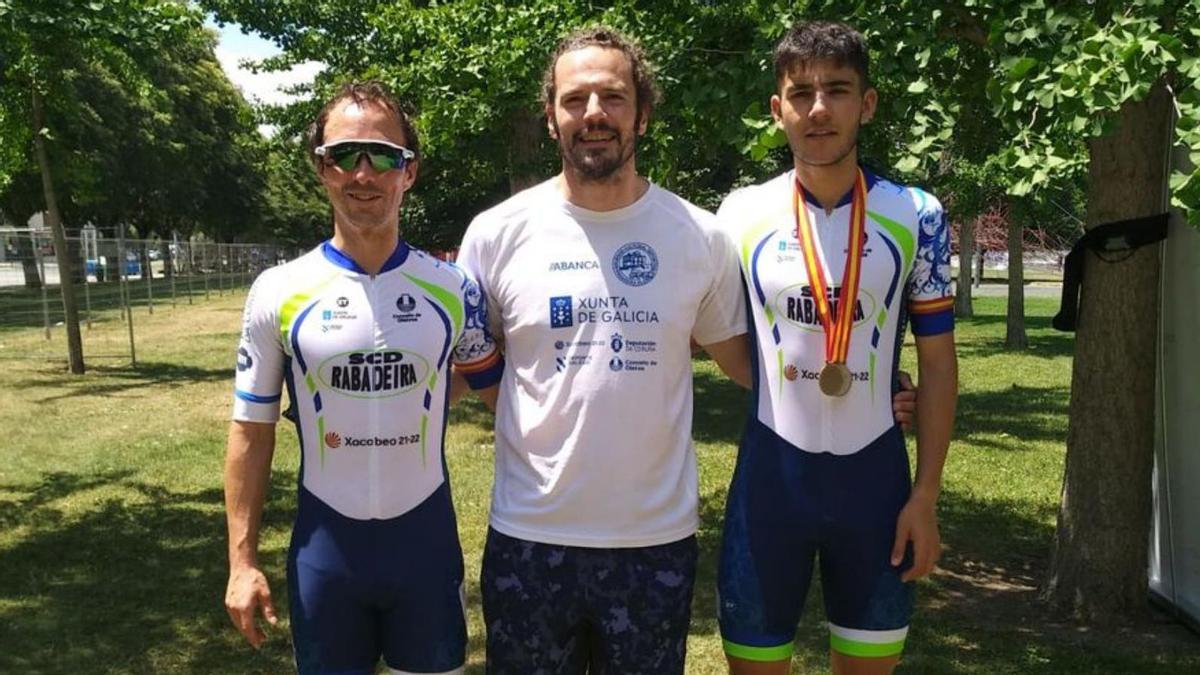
<point x="115" y="279"/>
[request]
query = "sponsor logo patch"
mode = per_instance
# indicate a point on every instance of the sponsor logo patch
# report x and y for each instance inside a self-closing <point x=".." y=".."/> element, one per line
<point x="573" y="265"/>
<point x="244" y="362"/>
<point x="374" y="374"/>
<point x="560" y="311"/>
<point x="635" y="264"/>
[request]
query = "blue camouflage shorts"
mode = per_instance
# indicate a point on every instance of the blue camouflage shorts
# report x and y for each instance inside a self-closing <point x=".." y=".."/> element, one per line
<point x="564" y="610"/>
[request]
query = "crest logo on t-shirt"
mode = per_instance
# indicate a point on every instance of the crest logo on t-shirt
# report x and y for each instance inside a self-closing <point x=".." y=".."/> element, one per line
<point x="560" y="311"/>
<point x="406" y="303"/>
<point x="617" y="342"/>
<point x="635" y="263"/>
<point x="244" y="362"/>
<point x="616" y="364"/>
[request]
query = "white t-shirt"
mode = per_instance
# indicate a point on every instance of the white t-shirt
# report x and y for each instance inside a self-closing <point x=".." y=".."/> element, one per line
<point x="905" y="276"/>
<point x="596" y="311"/>
<point x="366" y="360"/>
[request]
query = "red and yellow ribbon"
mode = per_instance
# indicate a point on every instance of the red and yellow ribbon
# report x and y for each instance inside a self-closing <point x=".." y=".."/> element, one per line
<point x="837" y="328"/>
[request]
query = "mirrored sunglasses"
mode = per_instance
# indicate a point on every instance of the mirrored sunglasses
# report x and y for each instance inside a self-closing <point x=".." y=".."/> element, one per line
<point x="382" y="156"/>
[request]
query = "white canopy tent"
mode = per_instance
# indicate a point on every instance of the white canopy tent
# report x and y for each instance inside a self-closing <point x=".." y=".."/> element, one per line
<point x="1175" y="537"/>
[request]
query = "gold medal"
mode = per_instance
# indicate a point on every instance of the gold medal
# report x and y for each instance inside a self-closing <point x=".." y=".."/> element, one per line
<point x="834" y="379"/>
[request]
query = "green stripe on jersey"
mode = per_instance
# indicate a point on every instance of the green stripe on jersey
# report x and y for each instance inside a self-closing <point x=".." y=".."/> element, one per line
<point x="448" y="298"/>
<point x="781" y="653"/>
<point x="749" y="239"/>
<point x="291" y="307"/>
<point x="902" y="236"/>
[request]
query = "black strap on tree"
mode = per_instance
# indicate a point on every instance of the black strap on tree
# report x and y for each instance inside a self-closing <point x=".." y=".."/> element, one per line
<point x="1112" y="242"/>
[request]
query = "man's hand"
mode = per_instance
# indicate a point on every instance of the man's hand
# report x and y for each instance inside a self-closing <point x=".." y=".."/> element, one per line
<point x="904" y="403"/>
<point x="918" y="523"/>
<point x="246" y="593"/>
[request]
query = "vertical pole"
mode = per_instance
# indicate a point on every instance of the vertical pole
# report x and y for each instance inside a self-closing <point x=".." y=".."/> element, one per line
<point x="41" y="264"/>
<point x="172" y="253"/>
<point x="191" y="258"/>
<point x="87" y="287"/>
<point x="148" y="274"/>
<point x="204" y="268"/>
<point x="121" y="273"/>
<point x="220" y="272"/>
<point x="128" y="312"/>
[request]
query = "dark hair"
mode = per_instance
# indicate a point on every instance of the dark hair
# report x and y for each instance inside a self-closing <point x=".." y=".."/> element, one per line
<point x="645" y="87"/>
<point x="370" y="91"/>
<point x="810" y="41"/>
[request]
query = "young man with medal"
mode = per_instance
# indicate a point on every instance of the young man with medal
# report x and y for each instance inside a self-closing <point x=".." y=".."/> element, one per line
<point x="836" y="260"/>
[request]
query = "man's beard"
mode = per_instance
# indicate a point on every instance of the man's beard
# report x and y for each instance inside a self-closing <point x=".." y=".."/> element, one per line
<point x="596" y="165"/>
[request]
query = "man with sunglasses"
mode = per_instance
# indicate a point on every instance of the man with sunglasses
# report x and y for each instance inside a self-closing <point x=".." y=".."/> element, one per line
<point x="363" y="330"/>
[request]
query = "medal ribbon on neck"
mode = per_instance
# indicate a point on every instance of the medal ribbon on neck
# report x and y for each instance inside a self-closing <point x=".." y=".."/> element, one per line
<point x="837" y="328"/>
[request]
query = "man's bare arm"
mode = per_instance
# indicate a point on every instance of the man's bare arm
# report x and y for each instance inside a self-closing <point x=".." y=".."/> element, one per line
<point x="733" y="358"/>
<point x="937" y="398"/>
<point x="248" y="454"/>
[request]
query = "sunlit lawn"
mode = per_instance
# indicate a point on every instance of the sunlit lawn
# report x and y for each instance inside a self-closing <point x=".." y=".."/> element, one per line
<point x="112" y="545"/>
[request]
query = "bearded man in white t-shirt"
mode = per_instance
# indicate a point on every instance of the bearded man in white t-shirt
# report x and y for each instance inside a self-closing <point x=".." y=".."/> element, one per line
<point x="597" y="283"/>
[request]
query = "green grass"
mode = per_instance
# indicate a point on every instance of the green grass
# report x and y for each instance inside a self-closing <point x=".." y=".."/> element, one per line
<point x="112" y="542"/>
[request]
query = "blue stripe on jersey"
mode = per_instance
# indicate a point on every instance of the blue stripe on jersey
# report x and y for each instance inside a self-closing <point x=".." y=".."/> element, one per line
<point x="762" y="297"/>
<point x="337" y="257"/>
<point x="871" y="180"/>
<point x="446" y="322"/>
<point x="891" y="294"/>
<point x="296" y="337"/>
<point x="933" y="324"/>
<point x="317" y="401"/>
<point x="428" y="399"/>
<point x="895" y="283"/>
<point x="255" y="398"/>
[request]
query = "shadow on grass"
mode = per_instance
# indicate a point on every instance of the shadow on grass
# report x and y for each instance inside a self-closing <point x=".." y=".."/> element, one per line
<point x="1044" y="341"/>
<point x="1021" y="413"/>
<point x="470" y="411"/>
<point x="114" y="380"/>
<point x="133" y="585"/>
<point x="979" y="612"/>
<point x="720" y="408"/>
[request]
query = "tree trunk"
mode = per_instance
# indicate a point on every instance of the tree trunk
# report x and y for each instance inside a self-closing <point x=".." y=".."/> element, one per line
<point x="963" y="308"/>
<point x="1014" y="334"/>
<point x="33" y="278"/>
<point x="1098" y="572"/>
<point x="62" y="252"/>
<point x="524" y="168"/>
<point x="979" y="273"/>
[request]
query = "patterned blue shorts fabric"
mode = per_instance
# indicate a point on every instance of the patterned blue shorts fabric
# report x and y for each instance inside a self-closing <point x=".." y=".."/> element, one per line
<point x="787" y="508"/>
<point x="566" y="610"/>
<point x="365" y="589"/>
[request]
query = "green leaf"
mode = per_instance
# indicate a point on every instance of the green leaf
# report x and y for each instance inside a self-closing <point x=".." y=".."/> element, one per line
<point x="1021" y="66"/>
<point x="918" y="87"/>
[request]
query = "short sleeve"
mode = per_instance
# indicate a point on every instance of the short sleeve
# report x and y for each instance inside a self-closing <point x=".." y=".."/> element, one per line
<point x="476" y="355"/>
<point x="930" y="294"/>
<point x="722" y="313"/>
<point x="473" y="259"/>
<point x="258" y="381"/>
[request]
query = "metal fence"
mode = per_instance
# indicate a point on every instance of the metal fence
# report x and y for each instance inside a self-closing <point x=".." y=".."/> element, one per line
<point x="115" y="279"/>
